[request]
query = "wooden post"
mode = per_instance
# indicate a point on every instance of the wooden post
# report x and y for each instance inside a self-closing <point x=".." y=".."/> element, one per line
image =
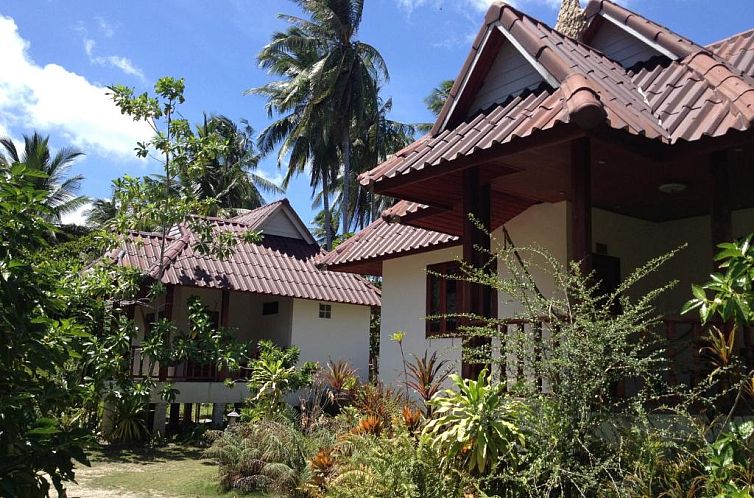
<point x="720" y="219"/>
<point x="581" y="203"/>
<point x="168" y="315"/>
<point x="224" y="309"/>
<point x="477" y="299"/>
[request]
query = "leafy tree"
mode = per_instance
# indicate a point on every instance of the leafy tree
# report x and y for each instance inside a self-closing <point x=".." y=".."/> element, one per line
<point x="61" y="190"/>
<point x="336" y="87"/>
<point x="37" y="435"/>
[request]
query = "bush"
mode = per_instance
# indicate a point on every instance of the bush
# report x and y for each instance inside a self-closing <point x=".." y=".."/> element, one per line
<point x="275" y="374"/>
<point x="266" y="456"/>
<point x="390" y="467"/>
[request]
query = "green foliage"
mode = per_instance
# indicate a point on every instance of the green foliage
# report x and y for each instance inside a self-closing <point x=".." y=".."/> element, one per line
<point x="38" y="432"/>
<point x="427" y="376"/>
<point x="476" y="424"/>
<point x="729" y="462"/>
<point x="129" y="421"/>
<point x="391" y="467"/>
<point x="730" y="293"/>
<point x="274" y="374"/>
<point x="61" y="191"/>
<point x="269" y="455"/>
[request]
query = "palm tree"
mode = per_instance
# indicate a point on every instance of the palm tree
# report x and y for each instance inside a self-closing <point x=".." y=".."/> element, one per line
<point x="302" y="137"/>
<point x="376" y="141"/>
<point x="338" y="86"/>
<point x="62" y="191"/>
<point x="102" y="212"/>
<point x="435" y="101"/>
<point x="320" y="228"/>
<point x="230" y="178"/>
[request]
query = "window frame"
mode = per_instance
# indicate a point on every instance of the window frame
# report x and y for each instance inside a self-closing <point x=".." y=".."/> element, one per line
<point x="325" y="311"/>
<point x="434" y="273"/>
<point x="270" y="308"/>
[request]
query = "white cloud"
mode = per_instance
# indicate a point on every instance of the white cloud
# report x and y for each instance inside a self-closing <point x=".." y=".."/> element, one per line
<point x="105" y="27"/>
<point x="116" y="61"/>
<point x="275" y="177"/>
<point x="77" y="217"/>
<point x="52" y="99"/>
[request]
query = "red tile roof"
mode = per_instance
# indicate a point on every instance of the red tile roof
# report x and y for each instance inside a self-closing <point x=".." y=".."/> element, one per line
<point x="255" y="217"/>
<point x="697" y="95"/>
<point x="278" y="266"/>
<point x="738" y="50"/>
<point x="383" y="240"/>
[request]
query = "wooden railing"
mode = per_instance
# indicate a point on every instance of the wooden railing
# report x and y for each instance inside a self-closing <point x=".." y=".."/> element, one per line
<point x="684" y="340"/>
<point x="183" y="372"/>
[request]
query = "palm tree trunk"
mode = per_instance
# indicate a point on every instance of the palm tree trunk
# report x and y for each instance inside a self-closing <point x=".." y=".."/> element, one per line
<point x="345" y="204"/>
<point x="328" y="215"/>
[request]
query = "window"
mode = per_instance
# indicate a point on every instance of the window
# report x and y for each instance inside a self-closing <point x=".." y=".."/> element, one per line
<point x="270" y="308"/>
<point x="325" y="310"/>
<point x="150" y="319"/>
<point x="444" y="296"/>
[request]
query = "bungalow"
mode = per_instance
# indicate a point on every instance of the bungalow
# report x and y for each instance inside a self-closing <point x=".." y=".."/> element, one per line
<point x="270" y="290"/>
<point x="610" y="148"/>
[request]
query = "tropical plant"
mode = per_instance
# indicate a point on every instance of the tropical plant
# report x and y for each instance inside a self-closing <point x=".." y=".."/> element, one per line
<point x="331" y="81"/>
<point x="129" y="421"/>
<point x="341" y="380"/>
<point x="267" y="456"/>
<point x="388" y="468"/>
<point x="40" y="431"/>
<point x="476" y="424"/>
<point x="728" y="298"/>
<point x="230" y="178"/>
<point x="102" y="213"/>
<point x="427" y="375"/>
<point x="378" y="401"/>
<point x="274" y="374"/>
<point x="729" y="462"/>
<point x="61" y="191"/>
<point x="435" y="101"/>
<point x="438" y="96"/>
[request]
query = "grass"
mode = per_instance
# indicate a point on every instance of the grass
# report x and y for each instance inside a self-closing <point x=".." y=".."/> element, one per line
<point x="170" y="472"/>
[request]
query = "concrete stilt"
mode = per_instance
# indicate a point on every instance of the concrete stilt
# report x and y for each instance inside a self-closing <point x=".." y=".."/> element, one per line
<point x="108" y="419"/>
<point x="218" y="415"/>
<point x="158" y="426"/>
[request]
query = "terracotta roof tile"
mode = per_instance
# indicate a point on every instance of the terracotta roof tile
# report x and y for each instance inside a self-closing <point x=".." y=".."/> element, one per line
<point x="699" y="94"/>
<point x="382" y="240"/>
<point x="278" y="265"/>
<point x="738" y="50"/>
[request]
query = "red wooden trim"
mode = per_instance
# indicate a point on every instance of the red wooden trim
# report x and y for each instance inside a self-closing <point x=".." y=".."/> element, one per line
<point x="581" y="203"/>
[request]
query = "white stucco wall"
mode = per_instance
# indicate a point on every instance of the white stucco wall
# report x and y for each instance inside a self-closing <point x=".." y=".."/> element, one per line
<point x="546" y="226"/>
<point x="404" y="303"/>
<point x="344" y="336"/>
<point x="637" y="241"/>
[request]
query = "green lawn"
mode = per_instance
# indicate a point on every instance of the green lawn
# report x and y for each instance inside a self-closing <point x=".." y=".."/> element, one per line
<point x="171" y="472"/>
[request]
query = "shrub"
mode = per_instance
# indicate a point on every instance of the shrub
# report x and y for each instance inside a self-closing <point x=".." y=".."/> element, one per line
<point x="391" y="468"/>
<point x="266" y="456"/>
<point x="476" y="425"/>
<point x="426" y="376"/>
<point x="274" y="374"/>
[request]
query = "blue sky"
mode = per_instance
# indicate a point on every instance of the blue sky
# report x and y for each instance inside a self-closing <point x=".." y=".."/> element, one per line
<point x="57" y="55"/>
